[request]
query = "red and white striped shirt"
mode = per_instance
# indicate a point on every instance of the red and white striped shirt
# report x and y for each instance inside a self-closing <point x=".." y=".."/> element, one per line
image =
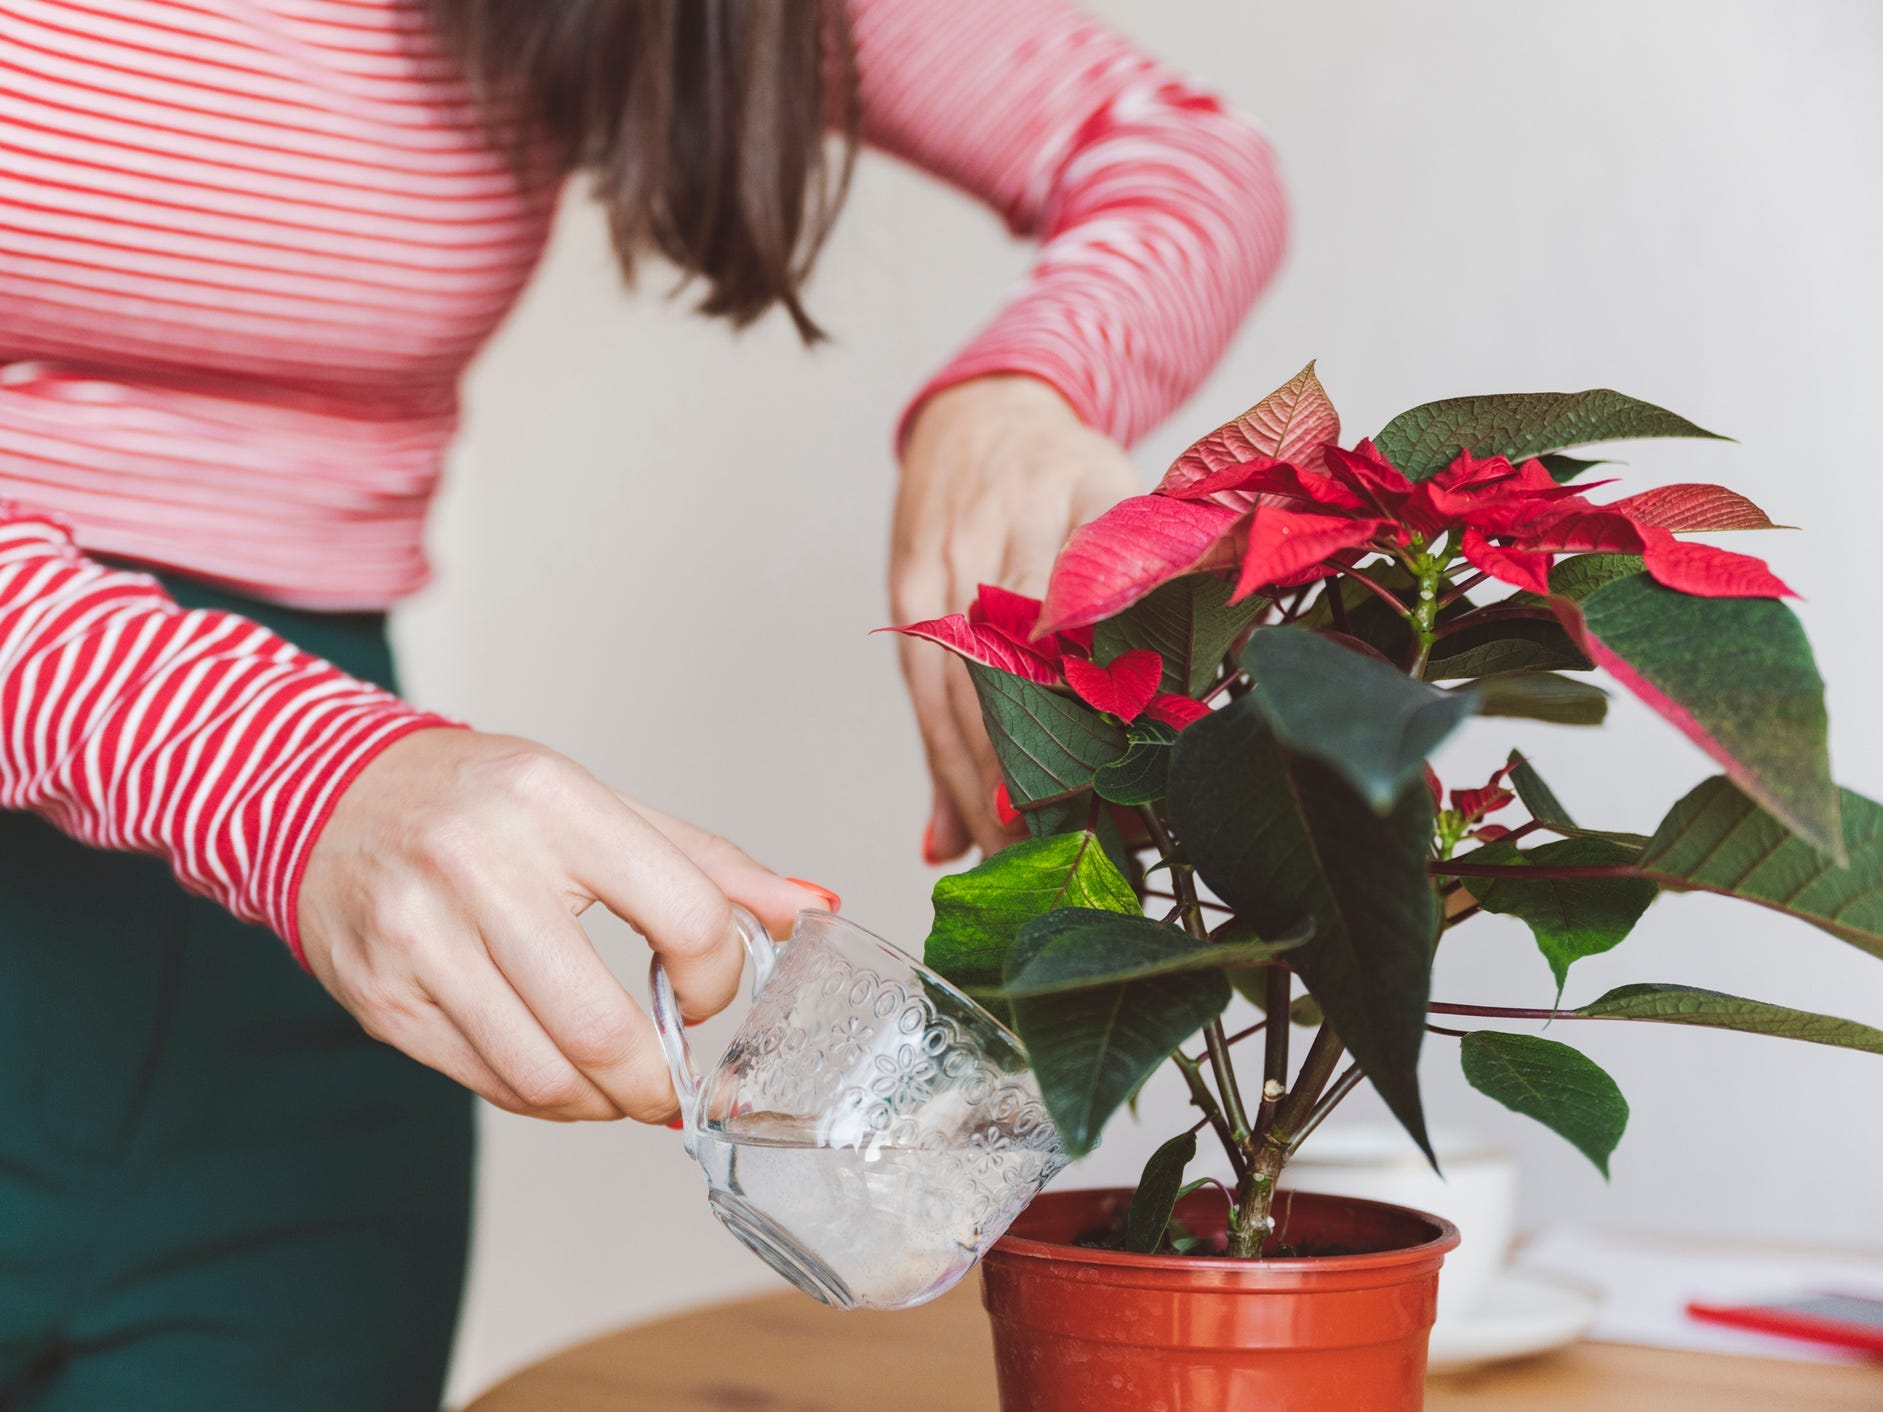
<point x="247" y="248"/>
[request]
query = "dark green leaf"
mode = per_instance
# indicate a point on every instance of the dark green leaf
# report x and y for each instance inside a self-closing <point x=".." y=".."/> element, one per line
<point x="1547" y="810"/>
<point x="1560" y="1087"/>
<point x="1736" y="675"/>
<point x="1536" y="796"/>
<point x="1358" y="716"/>
<point x="1718" y="840"/>
<point x="979" y="913"/>
<point x="1570" y="917"/>
<point x="1156" y="1196"/>
<point x="1092" y="1048"/>
<point x="1541" y="696"/>
<point x="1685" y="1005"/>
<point x="1138" y="776"/>
<point x="1505" y="645"/>
<point x="1082" y="949"/>
<point x="1427" y="439"/>
<point x="1189" y="622"/>
<point x="1564" y="469"/>
<point x="1284" y="841"/>
<point x="1049" y="745"/>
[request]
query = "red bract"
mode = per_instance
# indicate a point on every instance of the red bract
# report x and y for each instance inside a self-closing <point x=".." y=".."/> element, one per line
<point x="1139" y="543"/>
<point x="1293" y="423"/>
<point x="997" y="632"/>
<point x="1124" y="687"/>
<point x="1193" y="521"/>
<point x="1177" y="712"/>
<point x="1494" y="794"/>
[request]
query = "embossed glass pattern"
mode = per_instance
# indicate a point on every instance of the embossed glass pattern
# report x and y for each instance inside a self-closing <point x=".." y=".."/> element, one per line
<point x="870" y="1131"/>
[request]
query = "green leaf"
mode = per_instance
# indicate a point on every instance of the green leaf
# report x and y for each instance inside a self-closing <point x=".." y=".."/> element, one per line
<point x="1736" y="675"/>
<point x="1504" y="645"/>
<point x="1091" y="1048"/>
<point x="1564" y="469"/>
<point x="1077" y="948"/>
<point x="1718" y="840"/>
<point x="1536" y="796"/>
<point x="1579" y="576"/>
<point x="1049" y="745"/>
<point x="1428" y="438"/>
<point x="1548" y="810"/>
<point x="1139" y="775"/>
<point x="1371" y="724"/>
<point x="1189" y="622"/>
<point x="1156" y="1196"/>
<point x="1541" y="696"/>
<point x="1570" y="917"/>
<point x="1284" y="840"/>
<point x="979" y="913"/>
<point x="1560" y="1087"/>
<point x="1686" y="1005"/>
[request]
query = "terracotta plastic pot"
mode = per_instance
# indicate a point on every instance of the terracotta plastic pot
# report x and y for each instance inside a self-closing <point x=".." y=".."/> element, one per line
<point x="1083" y="1330"/>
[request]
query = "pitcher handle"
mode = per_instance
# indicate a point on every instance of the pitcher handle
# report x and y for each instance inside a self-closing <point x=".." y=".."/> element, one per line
<point x="763" y="952"/>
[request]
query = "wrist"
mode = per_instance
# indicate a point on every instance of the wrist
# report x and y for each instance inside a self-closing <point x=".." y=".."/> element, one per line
<point x="977" y="401"/>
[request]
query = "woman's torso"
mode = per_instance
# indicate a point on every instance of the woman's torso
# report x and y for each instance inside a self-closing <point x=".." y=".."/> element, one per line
<point x="246" y="249"/>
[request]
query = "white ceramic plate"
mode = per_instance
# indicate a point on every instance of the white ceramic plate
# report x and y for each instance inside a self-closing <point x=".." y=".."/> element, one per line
<point x="1520" y="1314"/>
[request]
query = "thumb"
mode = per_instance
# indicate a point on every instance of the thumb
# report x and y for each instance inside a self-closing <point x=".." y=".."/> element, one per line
<point x="775" y="900"/>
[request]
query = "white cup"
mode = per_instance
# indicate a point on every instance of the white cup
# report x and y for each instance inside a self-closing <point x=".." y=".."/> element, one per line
<point x="1378" y="1162"/>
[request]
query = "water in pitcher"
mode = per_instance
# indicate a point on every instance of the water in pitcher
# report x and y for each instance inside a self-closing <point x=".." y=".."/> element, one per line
<point x="883" y="1228"/>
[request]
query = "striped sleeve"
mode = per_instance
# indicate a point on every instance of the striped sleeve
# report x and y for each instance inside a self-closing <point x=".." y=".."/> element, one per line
<point x="200" y="737"/>
<point x="1160" y="213"/>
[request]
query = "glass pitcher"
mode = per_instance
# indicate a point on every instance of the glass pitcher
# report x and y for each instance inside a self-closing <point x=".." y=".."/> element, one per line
<point x="871" y="1130"/>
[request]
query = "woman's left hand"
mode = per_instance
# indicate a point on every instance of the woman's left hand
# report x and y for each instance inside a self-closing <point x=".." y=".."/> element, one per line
<point x="996" y="473"/>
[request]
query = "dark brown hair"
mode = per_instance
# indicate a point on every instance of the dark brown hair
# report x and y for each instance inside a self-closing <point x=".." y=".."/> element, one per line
<point x="702" y="122"/>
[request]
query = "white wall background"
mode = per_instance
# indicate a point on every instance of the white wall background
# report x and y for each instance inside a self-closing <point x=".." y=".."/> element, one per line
<point x="663" y="547"/>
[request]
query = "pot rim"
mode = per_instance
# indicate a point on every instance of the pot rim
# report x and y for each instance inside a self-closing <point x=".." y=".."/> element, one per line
<point x="1022" y="1247"/>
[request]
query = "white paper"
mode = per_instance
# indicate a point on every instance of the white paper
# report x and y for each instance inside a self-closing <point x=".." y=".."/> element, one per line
<point x="1646" y="1283"/>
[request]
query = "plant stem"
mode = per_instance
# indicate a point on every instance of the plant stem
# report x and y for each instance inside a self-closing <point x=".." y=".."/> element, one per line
<point x="1495" y="613"/>
<point x="1200" y="1095"/>
<point x="1250" y="1222"/>
<point x="1233" y="1111"/>
<point x="1337" y="605"/>
<point x="1536" y="871"/>
<point x="1198" y="902"/>
<point x="1425" y="611"/>
<point x="1460" y="589"/>
<point x="1499" y="1012"/>
<point x="1391" y="599"/>
<point x="1228" y="1118"/>
<point x="1275" y="1000"/>
<point x="1232" y="1041"/>
<point x="1349" y="1079"/>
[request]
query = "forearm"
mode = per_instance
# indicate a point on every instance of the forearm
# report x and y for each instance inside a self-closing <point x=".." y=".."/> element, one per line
<point x="132" y="724"/>
<point x="1160" y="212"/>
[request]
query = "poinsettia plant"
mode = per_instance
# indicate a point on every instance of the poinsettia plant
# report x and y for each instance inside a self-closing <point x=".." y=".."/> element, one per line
<point x="1216" y="726"/>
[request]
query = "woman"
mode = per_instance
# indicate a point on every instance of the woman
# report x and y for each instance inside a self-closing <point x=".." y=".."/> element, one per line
<point x="246" y="249"/>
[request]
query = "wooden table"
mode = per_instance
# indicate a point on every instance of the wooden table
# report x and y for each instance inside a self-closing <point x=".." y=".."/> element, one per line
<point x="782" y="1353"/>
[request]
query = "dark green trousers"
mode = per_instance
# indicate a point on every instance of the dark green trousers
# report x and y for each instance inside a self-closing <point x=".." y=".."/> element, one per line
<point x="217" y="1194"/>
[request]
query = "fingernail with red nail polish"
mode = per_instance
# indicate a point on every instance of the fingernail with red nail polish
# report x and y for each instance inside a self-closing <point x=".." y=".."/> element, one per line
<point x="931" y="855"/>
<point x="1003" y="805"/>
<point x="691" y="1023"/>
<point x="831" y="901"/>
<point x="678" y="1125"/>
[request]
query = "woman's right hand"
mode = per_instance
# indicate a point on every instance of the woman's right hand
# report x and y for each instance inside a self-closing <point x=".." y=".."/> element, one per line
<point x="439" y="906"/>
